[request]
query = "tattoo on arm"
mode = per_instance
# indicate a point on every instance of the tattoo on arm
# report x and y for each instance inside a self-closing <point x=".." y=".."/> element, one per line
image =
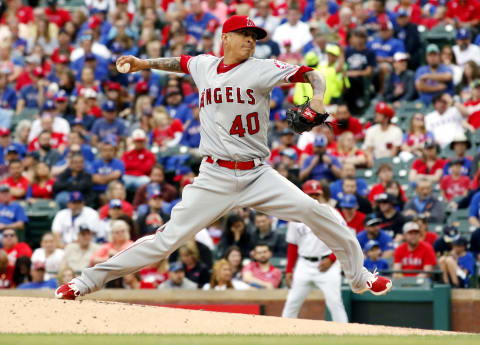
<point x="165" y="64"/>
<point x="317" y="80"/>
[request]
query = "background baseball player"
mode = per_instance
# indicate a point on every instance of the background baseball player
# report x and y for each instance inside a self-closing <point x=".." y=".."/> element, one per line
<point x="234" y="116"/>
<point x="315" y="265"/>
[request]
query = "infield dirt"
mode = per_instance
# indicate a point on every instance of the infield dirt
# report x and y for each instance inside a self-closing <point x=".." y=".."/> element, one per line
<point x="42" y="315"/>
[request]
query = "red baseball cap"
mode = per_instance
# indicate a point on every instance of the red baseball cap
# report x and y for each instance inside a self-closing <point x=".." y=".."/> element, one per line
<point x="38" y="72"/>
<point x="62" y="58"/>
<point x="312" y="187"/>
<point x="122" y="1"/>
<point x="94" y="22"/>
<point x="4" y="131"/>
<point x="114" y="86"/>
<point x="384" y="109"/>
<point x="141" y="87"/>
<point x="243" y="22"/>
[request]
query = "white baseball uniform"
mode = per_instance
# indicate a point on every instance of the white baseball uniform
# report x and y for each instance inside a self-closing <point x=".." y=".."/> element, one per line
<point x="234" y="116"/>
<point x="307" y="274"/>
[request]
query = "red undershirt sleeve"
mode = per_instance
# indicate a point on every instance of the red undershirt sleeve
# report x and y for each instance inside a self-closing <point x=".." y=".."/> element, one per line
<point x="298" y="76"/>
<point x="292" y="255"/>
<point x="184" y="63"/>
<point x="332" y="257"/>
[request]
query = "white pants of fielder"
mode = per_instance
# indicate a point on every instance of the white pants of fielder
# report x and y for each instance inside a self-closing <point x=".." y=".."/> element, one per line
<point x="214" y="193"/>
<point x="307" y="275"/>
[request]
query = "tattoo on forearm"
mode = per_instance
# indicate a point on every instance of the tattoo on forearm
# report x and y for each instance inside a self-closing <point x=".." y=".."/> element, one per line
<point x="165" y="64"/>
<point x="317" y="81"/>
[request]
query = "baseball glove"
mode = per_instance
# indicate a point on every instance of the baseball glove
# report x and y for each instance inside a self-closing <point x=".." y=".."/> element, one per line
<point x="304" y="118"/>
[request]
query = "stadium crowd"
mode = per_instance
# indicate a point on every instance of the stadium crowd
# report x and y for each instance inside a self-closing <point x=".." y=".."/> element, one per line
<point x="106" y="155"/>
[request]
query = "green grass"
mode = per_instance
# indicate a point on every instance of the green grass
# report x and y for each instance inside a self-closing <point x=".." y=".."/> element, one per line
<point x="34" y="339"/>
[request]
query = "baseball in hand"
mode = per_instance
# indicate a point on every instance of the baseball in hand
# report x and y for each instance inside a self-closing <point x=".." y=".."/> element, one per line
<point x="123" y="68"/>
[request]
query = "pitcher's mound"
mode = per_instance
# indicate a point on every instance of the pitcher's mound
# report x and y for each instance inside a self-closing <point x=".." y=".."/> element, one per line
<point x="42" y="315"/>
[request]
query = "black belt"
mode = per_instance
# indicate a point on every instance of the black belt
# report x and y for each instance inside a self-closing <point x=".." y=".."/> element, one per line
<point x="315" y="258"/>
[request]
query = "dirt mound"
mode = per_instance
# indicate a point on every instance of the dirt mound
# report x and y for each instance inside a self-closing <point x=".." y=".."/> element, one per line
<point x="42" y="315"/>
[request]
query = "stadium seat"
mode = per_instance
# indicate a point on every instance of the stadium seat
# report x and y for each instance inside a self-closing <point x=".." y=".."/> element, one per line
<point x="412" y="282"/>
<point x="40" y="217"/>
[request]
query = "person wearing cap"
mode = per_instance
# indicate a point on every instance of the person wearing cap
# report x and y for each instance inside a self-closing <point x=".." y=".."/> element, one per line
<point x="138" y="162"/>
<point x="12" y="214"/>
<point x="287" y="141"/>
<point x="443" y="244"/>
<point x="373" y="232"/>
<point x="360" y="61"/>
<point x="107" y="168"/>
<point x="115" y="194"/>
<point x="73" y="178"/>
<point x="392" y="220"/>
<point x="464" y="50"/>
<point x="177" y="279"/>
<point x="400" y="83"/>
<point x="425" y="203"/>
<point x="288" y="158"/>
<point x="434" y="78"/>
<point x="64" y="48"/>
<point x="242" y="145"/>
<point x="383" y="139"/>
<point x="413" y="254"/>
<point x="460" y="144"/>
<point x="65" y="225"/>
<point x="109" y="125"/>
<point x="471" y="108"/>
<point x="77" y="254"/>
<point x="198" y="21"/>
<point x="373" y="257"/>
<point x="348" y="206"/>
<point x="8" y="145"/>
<point x="153" y="215"/>
<point x="8" y="96"/>
<point x="429" y="166"/>
<point x="345" y="122"/>
<point x="294" y="29"/>
<point x="455" y="184"/>
<point x="446" y="122"/>
<point x="311" y="263"/>
<point x="55" y="14"/>
<point x="407" y="31"/>
<point x="33" y="95"/>
<point x="458" y="267"/>
<point x="321" y="165"/>
<point x="16" y="181"/>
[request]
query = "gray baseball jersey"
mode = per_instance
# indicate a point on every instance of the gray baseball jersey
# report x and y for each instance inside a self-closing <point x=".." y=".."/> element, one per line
<point x="235" y="106"/>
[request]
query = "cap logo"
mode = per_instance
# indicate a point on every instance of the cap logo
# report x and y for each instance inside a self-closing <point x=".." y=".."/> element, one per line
<point x="250" y="22"/>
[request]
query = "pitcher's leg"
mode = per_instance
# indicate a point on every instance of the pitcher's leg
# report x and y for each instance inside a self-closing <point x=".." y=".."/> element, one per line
<point x="273" y="194"/>
<point x="204" y="201"/>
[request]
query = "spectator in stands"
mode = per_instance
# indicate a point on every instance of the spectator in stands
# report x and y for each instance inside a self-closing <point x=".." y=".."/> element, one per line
<point x="154" y="216"/>
<point x="374" y="261"/>
<point x="195" y="270"/>
<point x="138" y="162"/>
<point x="385" y="175"/>
<point x="429" y="166"/>
<point x="108" y="168"/>
<point x="433" y="79"/>
<point x="12" y="214"/>
<point x="373" y="232"/>
<point x="13" y="247"/>
<point x="65" y="275"/>
<point x="21" y="272"/>
<point x="177" y="279"/>
<point x="116" y="191"/>
<point x="400" y="82"/>
<point x="77" y="254"/>
<point x="261" y="273"/>
<point x="42" y="183"/>
<point x="455" y="184"/>
<point x="414" y="140"/>
<point x="470" y="109"/>
<point x="8" y="96"/>
<point x="7" y="145"/>
<point x="119" y="240"/>
<point x="348" y="172"/>
<point x="293" y="29"/>
<point x="425" y="203"/>
<point x="446" y="122"/>
<point x="464" y="50"/>
<point x="109" y="125"/>
<point x="33" y="95"/>
<point x="74" y="178"/>
<point x="18" y="184"/>
<point x="157" y="178"/>
<point x="348" y="152"/>
<point x="167" y="132"/>
<point x="46" y="152"/>
<point x="199" y="21"/>
<point x="458" y="267"/>
<point x="134" y="281"/>
<point x="443" y="244"/>
<point x="383" y="139"/>
<point x="413" y="254"/>
<point x="460" y="144"/>
<point x="235" y="233"/>
<point x="234" y="256"/>
<point x="287" y="141"/>
<point x="360" y="65"/>
<point x="349" y="209"/>
<point x="320" y="165"/>
<point x="222" y="278"/>
<point x="263" y="233"/>
<point x="67" y="222"/>
<point x="264" y="17"/>
<point x="425" y="235"/>
<point x="21" y="134"/>
<point x="345" y="122"/>
<point x="6" y="271"/>
<point x="49" y="255"/>
<point x="407" y="31"/>
<point x="37" y="272"/>
<point x="392" y="220"/>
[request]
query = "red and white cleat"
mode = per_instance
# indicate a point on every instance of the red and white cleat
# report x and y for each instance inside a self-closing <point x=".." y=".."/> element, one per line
<point x="67" y="291"/>
<point x="377" y="285"/>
